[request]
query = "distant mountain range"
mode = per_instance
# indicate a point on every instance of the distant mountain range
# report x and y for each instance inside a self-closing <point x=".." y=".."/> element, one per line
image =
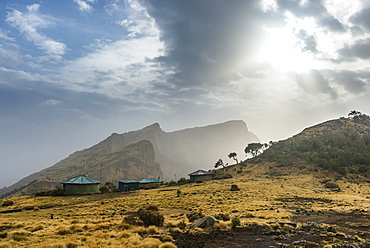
<point x="149" y="152"/>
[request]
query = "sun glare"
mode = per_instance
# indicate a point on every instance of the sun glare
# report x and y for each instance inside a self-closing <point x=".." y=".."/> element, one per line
<point x="283" y="51"/>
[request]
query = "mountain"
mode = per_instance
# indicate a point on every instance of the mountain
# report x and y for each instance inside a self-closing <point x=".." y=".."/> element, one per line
<point x="148" y="152"/>
<point x="107" y="161"/>
<point x="181" y="152"/>
<point x="340" y="146"/>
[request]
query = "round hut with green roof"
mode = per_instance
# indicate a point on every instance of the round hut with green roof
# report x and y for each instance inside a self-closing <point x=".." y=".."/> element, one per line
<point x="81" y="185"/>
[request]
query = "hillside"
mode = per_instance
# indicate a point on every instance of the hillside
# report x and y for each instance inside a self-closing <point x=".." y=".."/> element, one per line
<point x="341" y="146"/>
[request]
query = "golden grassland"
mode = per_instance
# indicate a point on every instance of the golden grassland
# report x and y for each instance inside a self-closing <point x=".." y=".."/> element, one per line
<point x="97" y="220"/>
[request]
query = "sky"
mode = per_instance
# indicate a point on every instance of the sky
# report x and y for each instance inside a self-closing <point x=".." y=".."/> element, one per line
<point x="74" y="71"/>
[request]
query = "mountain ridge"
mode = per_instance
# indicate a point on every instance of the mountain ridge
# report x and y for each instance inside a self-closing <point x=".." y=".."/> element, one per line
<point x="176" y="153"/>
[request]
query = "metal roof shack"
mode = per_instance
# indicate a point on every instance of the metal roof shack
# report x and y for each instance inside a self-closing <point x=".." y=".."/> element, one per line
<point x="146" y="183"/>
<point x="128" y="185"/>
<point x="81" y="185"/>
<point x="201" y="175"/>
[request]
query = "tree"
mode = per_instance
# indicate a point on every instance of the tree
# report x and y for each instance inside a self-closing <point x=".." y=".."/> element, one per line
<point x="219" y="163"/>
<point x="233" y="155"/>
<point x="255" y="149"/>
<point x="359" y="117"/>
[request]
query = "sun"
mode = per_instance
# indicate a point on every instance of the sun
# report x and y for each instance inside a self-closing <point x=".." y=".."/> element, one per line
<point x="284" y="52"/>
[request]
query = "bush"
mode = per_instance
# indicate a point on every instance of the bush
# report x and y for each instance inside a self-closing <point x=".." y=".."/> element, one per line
<point x="151" y="216"/>
<point x="331" y="185"/>
<point x="183" y="180"/>
<point x="235" y="222"/>
<point x="104" y="189"/>
<point x="58" y="192"/>
<point x="7" y="203"/>
<point x="167" y="245"/>
<point x="221" y="216"/>
<point x="194" y="216"/>
<point x="132" y="220"/>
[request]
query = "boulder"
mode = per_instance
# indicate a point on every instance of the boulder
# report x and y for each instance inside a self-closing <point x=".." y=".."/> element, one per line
<point x="206" y="221"/>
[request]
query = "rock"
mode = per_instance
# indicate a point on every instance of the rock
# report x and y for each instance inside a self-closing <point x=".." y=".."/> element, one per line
<point x="234" y="187"/>
<point x="206" y="221"/>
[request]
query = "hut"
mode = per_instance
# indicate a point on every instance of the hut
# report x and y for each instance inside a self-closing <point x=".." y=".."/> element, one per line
<point x="128" y="185"/>
<point x="200" y="175"/>
<point x="146" y="183"/>
<point x="81" y="185"/>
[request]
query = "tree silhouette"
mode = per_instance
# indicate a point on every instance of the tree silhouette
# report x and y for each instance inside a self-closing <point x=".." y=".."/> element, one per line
<point x="255" y="149"/>
<point x="219" y="163"/>
<point x="233" y="155"/>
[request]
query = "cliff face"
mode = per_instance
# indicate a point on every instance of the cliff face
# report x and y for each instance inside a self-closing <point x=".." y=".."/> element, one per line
<point x="182" y="152"/>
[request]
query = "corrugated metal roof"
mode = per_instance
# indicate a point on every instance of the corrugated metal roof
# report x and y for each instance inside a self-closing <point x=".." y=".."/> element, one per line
<point x="143" y="180"/>
<point x="200" y="172"/>
<point x="81" y="180"/>
<point x="128" y="181"/>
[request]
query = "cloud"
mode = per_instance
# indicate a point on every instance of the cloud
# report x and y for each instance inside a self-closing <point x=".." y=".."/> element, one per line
<point x="355" y="82"/>
<point x="51" y="102"/>
<point x="362" y="18"/>
<point x="28" y="24"/>
<point x="315" y="83"/>
<point x="83" y="5"/>
<point x="361" y="50"/>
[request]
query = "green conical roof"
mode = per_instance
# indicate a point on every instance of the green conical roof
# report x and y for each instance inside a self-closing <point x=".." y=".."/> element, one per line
<point x="81" y="180"/>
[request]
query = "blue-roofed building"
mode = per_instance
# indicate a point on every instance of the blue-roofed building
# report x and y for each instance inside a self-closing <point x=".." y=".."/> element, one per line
<point x="128" y="185"/>
<point x="81" y="185"/>
<point x="144" y="183"/>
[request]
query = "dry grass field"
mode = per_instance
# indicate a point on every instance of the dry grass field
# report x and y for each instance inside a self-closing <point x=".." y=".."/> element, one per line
<point x="315" y="215"/>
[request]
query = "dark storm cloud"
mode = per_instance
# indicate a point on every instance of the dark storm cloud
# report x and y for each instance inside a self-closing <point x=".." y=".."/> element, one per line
<point x="358" y="50"/>
<point x="315" y="83"/>
<point x="203" y="40"/>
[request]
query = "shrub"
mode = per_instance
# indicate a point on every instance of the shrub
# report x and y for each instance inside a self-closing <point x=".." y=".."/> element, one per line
<point x="331" y="185"/>
<point x="3" y="235"/>
<point x="151" y="217"/>
<point x="7" y="203"/>
<point x="194" y="216"/>
<point x="183" y="180"/>
<point x="58" y="192"/>
<point x="178" y="193"/>
<point x="63" y="231"/>
<point x="182" y="224"/>
<point x="71" y="245"/>
<point x="221" y="216"/>
<point x="235" y="222"/>
<point x="19" y="236"/>
<point x="104" y="189"/>
<point x="167" y="245"/>
<point x="167" y="238"/>
<point x="132" y="220"/>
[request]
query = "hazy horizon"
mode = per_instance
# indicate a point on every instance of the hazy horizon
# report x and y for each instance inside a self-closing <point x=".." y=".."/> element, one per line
<point x="73" y="72"/>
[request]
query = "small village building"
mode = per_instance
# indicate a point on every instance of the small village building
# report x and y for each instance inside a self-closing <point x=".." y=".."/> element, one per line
<point x="81" y="185"/>
<point x="128" y="185"/>
<point x="200" y="175"/>
<point x="146" y="183"/>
